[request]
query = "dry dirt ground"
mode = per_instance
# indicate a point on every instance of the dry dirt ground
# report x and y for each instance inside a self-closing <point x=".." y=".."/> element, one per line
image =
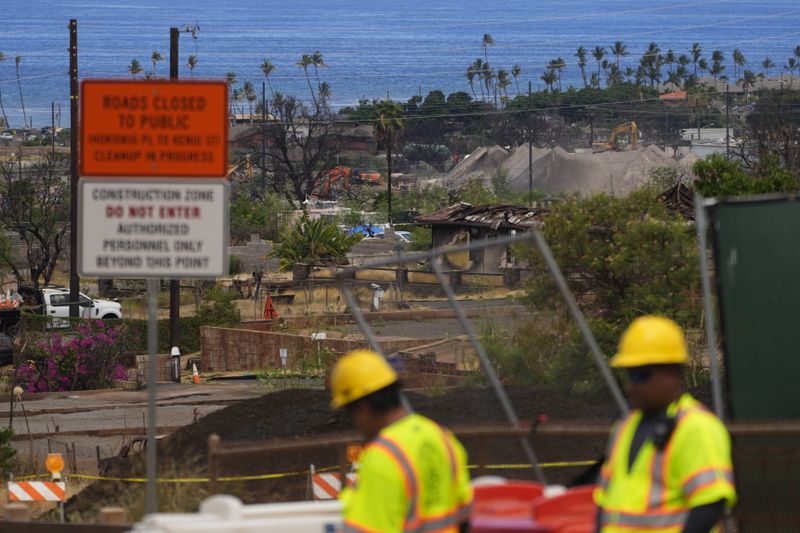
<point x="293" y="413"/>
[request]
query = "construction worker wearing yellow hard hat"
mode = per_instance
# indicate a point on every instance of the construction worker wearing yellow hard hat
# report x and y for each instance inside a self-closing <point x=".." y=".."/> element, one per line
<point x="668" y="466"/>
<point x="412" y="473"/>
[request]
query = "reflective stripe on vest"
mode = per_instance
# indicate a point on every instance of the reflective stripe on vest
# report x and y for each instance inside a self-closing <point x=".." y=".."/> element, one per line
<point x="660" y="469"/>
<point x="659" y="520"/>
<point x="613" y="451"/>
<point x="413" y="522"/>
<point x="705" y="477"/>
<point x="409" y="477"/>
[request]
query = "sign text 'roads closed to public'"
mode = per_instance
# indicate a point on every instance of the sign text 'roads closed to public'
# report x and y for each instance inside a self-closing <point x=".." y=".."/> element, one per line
<point x="153" y="229"/>
<point x="153" y="128"/>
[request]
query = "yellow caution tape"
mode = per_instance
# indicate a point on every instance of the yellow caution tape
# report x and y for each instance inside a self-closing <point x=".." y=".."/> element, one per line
<point x="559" y="464"/>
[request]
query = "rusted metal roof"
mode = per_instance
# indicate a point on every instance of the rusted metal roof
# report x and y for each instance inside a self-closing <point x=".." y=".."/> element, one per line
<point x="679" y="199"/>
<point x="505" y="216"/>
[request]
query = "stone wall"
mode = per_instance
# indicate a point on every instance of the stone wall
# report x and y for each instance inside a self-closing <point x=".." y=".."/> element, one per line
<point x="230" y="349"/>
<point x="254" y="255"/>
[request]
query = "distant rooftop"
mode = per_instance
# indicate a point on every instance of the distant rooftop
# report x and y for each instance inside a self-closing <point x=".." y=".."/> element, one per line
<point x="495" y="216"/>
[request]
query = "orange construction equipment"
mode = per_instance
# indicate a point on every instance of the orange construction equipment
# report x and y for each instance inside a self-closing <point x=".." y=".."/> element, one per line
<point x="195" y="375"/>
<point x="270" y="312"/>
<point x="613" y="140"/>
<point x="332" y="177"/>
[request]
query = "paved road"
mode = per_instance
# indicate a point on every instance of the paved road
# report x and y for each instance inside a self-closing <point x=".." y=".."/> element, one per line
<point x="89" y="419"/>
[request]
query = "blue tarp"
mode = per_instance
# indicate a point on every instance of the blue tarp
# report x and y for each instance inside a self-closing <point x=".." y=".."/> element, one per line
<point x="367" y="230"/>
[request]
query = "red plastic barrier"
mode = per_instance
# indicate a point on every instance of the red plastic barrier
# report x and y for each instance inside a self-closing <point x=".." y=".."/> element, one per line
<point x="572" y="512"/>
<point x="493" y="524"/>
<point x="510" y="500"/>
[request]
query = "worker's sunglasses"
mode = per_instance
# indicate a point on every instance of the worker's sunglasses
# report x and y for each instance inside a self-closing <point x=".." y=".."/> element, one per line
<point x="637" y="376"/>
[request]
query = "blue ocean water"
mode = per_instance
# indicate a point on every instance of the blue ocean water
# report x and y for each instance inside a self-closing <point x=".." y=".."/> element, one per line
<point x="371" y="47"/>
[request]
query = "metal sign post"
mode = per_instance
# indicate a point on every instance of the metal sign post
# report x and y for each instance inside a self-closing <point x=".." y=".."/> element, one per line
<point x="140" y="217"/>
<point x="152" y="373"/>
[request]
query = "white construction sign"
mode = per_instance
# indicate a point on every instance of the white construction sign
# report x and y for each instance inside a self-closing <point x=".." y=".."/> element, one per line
<point x="152" y="229"/>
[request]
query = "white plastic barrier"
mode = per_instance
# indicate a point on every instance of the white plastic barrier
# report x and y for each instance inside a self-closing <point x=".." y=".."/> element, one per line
<point x="227" y="513"/>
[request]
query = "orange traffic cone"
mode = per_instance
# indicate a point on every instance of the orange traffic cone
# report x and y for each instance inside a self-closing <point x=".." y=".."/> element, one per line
<point x="269" y="310"/>
<point x="195" y="375"/>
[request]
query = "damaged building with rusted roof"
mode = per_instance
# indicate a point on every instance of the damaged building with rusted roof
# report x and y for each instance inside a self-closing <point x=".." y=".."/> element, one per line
<point x="463" y="223"/>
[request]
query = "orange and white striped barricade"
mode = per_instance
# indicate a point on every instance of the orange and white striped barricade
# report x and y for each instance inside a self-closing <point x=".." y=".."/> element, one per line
<point x="37" y="491"/>
<point x="327" y="486"/>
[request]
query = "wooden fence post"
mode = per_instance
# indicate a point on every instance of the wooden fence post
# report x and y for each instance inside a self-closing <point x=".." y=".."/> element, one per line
<point x="213" y="447"/>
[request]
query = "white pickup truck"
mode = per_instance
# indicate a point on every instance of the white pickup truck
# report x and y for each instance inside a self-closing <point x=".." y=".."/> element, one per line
<point x="56" y="304"/>
<point x="53" y="302"/>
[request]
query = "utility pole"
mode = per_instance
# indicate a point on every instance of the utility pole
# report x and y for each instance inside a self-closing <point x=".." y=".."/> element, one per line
<point x="53" y="130"/>
<point x="74" y="280"/>
<point x="263" y="138"/>
<point x="174" y="284"/>
<point x="530" y="147"/>
<point x="727" y="121"/>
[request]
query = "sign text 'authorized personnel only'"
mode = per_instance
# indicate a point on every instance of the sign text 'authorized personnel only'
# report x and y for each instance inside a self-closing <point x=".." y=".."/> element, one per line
<point x="151" y="229"/>
<point x="153" y="128"/>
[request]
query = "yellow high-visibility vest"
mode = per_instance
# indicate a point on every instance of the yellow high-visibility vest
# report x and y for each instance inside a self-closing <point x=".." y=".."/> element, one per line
<point x="661" y="487"/>
<point x="411" y="478"/>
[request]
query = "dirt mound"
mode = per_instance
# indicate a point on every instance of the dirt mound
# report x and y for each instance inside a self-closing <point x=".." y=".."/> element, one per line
<point x="293" y="413"/>
<point x="557" y="171"/>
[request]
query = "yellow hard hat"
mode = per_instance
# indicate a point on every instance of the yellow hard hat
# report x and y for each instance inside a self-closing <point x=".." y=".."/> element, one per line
<point x="651" y="340"/>
<point x="359" y="374"/>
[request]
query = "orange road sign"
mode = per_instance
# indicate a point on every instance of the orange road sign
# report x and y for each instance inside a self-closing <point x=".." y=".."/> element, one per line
<point x="153" y="128"/>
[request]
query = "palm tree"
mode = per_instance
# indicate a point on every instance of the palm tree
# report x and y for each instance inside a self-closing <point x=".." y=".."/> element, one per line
<point x="614" y="75"/>
<point x="305" y="62"/>
<point x="767" y="64"/>
<point x="670" y="59"/>
<point x="191" y="63"/>
<point x="748" y="81"/>
<point x="738" y="61"/>
<point x="702" y="66"/>
<point x="155" y="57"/>
<point x="549" y="78"/>
<point x="717" y="70"/>
<point x="268" y="67"/>
<point x="2" y="107"/>
<point x="317" y="62"/>
<point x="558" y="65"/>
<point x="791" y="65"/>
<point x="696" y="52"/>
<point x="487" y="41"/>
<point x="230" y="78"/>
<point x="503" y="81"/>
<point x="17" y="60"/>
<point x="477" y="67"/>
<point x="488" y="78"/>
<point x="595" y="80"/>
<point x="250" y="95"/>
<point x="618" y="50"/>
<point x="325" y="91"/>
<point x="651" y="62"/>
<point x="652" y="54"/>
<point x="471" y="78"/>
<point x="599" y="53"/>
<point x="387" y="128"/>
<point x="134" y="68"/>
<point x="516" y="70"/>
<point x="237" y="98"/>
<point x="580" y="53"/>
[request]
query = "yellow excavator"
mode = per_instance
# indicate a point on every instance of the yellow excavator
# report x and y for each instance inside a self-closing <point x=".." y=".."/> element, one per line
<point x="629" y="128"/>
<point x="246" y="162"/>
